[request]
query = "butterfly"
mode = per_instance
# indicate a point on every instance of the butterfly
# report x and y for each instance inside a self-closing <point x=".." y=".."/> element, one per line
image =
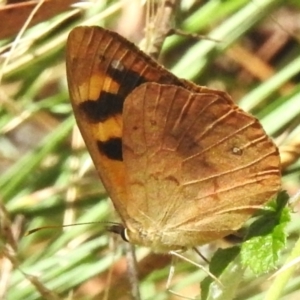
<point x="182" y="163"/>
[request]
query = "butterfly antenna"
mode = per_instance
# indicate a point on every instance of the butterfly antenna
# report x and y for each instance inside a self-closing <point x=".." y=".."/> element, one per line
<point x="114" y="227"/>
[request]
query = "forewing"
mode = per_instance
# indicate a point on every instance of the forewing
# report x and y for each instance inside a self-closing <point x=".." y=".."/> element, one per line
<point x="102" y="69"/>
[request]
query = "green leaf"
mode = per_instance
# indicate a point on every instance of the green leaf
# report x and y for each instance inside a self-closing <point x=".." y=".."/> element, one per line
<point x="224" y="265"/>
<point x="266" y="237"/>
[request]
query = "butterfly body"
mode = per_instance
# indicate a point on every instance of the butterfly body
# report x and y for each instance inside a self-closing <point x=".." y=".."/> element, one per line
<point x="182" y="163"/>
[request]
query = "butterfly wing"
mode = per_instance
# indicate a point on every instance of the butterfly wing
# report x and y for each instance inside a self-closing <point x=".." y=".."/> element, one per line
<point x="103" y="68"/>
<point x="196" y="166"/>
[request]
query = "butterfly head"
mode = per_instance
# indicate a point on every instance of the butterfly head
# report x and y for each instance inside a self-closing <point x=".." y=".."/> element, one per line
<point x="153" y="239"/>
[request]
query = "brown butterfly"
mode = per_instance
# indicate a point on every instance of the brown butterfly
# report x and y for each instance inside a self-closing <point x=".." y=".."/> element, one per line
<point x="182" y="163"/>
